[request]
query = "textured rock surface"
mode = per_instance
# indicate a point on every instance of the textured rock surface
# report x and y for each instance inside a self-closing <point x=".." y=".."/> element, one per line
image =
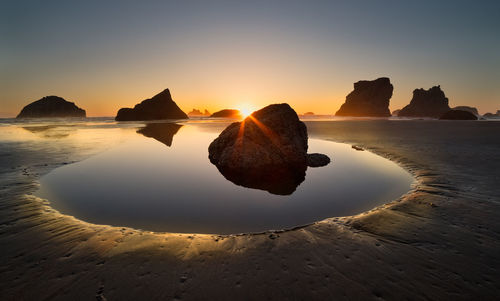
<point x="51" y="106"/>
<point x="426" y="103"/>
<point x="267" y="150"/>
<point x="458" y="115"/>
<point x="369" y="98"/>
<point x="227" y="114"/>
<point x="161" y="106"/>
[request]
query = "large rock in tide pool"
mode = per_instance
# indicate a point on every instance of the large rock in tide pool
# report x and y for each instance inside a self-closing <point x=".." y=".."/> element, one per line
<point x="458" y="115"/>
<point x="368" y="99"/>
<point x="426" y="103"/>
<point x="51" y="106"/>
<point x="160" y="107"/>
<point x="267" y="150"/>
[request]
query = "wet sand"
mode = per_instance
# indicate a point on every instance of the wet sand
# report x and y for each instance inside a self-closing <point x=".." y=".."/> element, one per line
<point x="440" y="241"/>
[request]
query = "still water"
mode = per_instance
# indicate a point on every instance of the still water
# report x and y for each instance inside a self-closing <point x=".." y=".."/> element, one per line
<point x="159" y="178"/>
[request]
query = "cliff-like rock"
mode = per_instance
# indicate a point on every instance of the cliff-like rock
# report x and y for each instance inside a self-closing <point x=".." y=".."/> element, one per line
<point x="426" y="103"/>
<point x="368" y="99"/>
<point x="161" y="106"/>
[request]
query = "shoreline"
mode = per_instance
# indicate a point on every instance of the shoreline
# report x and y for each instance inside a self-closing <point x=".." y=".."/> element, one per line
<point x="190" y="259"/>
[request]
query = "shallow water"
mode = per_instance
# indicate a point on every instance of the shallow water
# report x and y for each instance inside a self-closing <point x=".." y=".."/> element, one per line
<point x="159" y="178"/>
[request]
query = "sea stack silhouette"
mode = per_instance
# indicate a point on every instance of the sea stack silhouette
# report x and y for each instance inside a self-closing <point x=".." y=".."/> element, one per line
<point x="426" y="103"/>
<point x="368" y="99"/>
<point x="458" y="115"/>
<point x="160" y="106"/>
<point x="267" y="151"/>
<point x="227" y="113"/>
<point x="51" y="106"/>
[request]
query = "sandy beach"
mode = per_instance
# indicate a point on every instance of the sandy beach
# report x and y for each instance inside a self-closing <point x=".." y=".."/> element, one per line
<point x="441" y="241"/>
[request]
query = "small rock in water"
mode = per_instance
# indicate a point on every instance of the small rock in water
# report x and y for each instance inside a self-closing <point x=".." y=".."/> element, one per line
<point x="317" y="160"/>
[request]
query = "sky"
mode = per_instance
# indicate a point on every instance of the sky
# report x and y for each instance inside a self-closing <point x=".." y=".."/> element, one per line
<point x="104" y="55"/>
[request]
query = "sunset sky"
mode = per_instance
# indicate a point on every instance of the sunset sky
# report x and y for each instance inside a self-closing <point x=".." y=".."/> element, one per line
<point x="212" y="55"/>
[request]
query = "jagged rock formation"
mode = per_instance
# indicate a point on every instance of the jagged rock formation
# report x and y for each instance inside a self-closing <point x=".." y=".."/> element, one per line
<point x="426" y="103"/>
<point x="369" y="98"/>
<point x="51" y="106"/>
<point x="162" y="132"/>
<point x="227" y="114"/>
<point x="196" y="112"/>
<point x="161" y="106"/>
<point x="267" y="150"/>
<point x="458" y="115"/>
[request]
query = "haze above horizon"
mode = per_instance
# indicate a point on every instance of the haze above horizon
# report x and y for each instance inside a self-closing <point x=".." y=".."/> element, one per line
<point x="218" y="55"/>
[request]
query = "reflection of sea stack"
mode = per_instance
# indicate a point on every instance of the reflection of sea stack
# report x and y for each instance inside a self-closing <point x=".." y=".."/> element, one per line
<point x="426" y="103"/>
<point x="51" y="106"/>
<point x="163" y="132"/>
<point x="227" y="114"/>
<point x="368" y="99"/>
<point x="161" y="106"/>
<point x="267" y="150"/>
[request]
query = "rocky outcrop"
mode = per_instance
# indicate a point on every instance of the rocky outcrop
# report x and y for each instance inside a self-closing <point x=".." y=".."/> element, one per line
<point x="426" y="103"/>
<point x="468" y="109"/>
<point x="267" y="150"/>
<point x="458" y="115"/>
<point x="491" y="115"/>
<point x="160" y="107"/>
<point x="51" y="106"/>
<point x="227" y="114"/>
<point x="317" y="160"/>
<point x="369" y="98"/>
<point x="162" y="132"/>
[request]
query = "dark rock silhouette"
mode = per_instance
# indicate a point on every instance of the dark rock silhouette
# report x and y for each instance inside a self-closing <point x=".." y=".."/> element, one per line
<point x="396" y="112"/>
<point x="426" y="103"/>
<point x="196" y="112"/>
<point x="163" y="132"/>
<point x="458" y="115"/>
<point x="491" y="115"/>
<point x="227" y="114"/>
<point x="161" y="106"/>
<point x="317" y="160"/>
<point x="369" y="98"/>
<point x="51" y="106"/>
<point x="267" y="150"/>
<point x="468" y="109"/>
<point x="309" y="114"/>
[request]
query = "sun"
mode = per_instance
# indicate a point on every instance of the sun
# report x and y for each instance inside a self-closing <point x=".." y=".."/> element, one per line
<point x="245" y="110"/>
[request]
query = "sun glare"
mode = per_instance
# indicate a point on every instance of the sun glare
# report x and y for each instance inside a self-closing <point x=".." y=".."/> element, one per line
<point x="245" y="110"/>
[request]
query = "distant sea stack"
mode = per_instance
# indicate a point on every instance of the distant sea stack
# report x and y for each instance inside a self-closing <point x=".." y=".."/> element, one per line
<point x="396" y="112"/>
<point x="161" y="106"/>
<point x="468" y="109"/>
<point x="198" y="113"/>
<point x="368" y="99"/>
<point x="227" y="114"/>
<point x="51" y="106"/>
<point x="458" y="115"/>
<point x="426" y="103"/>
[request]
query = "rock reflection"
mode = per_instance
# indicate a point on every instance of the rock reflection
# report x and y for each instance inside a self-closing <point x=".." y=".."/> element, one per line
<point x="162" y="132"/>
<point x="278" y="180"/>
<point x="50" y="131"/>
